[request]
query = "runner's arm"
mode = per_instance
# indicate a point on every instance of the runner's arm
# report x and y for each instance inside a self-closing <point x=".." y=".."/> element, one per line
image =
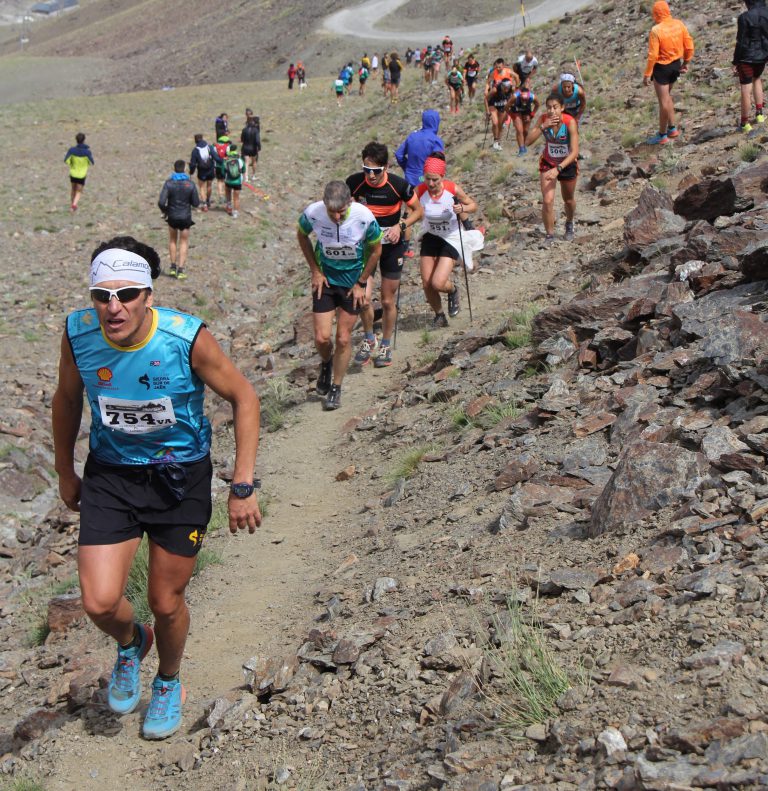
<point x="466" y="205"/>
<point x="195" y="196"/>
<point x="316" y="274"/>
<point x="162" y="201"/>
<point x="583" y="106"/>
<point x="217" y="371"/>
<point x="66" y="414"/>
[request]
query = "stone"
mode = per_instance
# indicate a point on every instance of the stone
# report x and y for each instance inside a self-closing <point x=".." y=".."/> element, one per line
<point x="719" y="440"/>
<point x="63" y="611"/>
<point x="663" y="774"/>
<point x="593" y="423"/>
<point x="612" y="742"/>
<point x="536" y="732"/>
<point x="521" y="468"/>
<point x="575" y="578"/>
<point x="729" y="331"/>
<point x="753" y="746"/>
<point x="181" y="754"/>
<point x="707" y="200"/>
<point x="652" y="219"/>
<point x="694" y="738"/>
<point x="463" y="686"/>
<point x="753" y="261"/>
<point x="346" y="474"/>
<point x="383" y="585"/>
<point x="648" y="476"/>
<point x="725" y="653"/>
<point x="711" y="133"/>
<point x="587" y="309"/>
<point x="263" y="674"/>
<point x="36" y="723"/>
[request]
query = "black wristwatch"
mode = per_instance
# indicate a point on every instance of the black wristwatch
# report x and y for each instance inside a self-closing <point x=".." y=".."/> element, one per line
<point x="243" y="490"/>
<point x="362" y="283"/>
<point x="559" y="168"/>
<point x="403" y="226"/>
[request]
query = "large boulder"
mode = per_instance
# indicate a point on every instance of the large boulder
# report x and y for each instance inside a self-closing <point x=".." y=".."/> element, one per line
<point x="652" y="219"/>
<point x="649" y="476"/>
<point x="707" y="200"/>
<point x="729" y="330"/>
<point x="587" y="311"/>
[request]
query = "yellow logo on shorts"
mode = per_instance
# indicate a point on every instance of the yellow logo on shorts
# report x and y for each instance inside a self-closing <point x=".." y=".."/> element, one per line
<point x="196" y="537"/>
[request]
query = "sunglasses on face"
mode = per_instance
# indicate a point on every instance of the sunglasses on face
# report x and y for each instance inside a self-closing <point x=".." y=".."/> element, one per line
<point x="372" y="171"/>
<point x="126" y="294"/>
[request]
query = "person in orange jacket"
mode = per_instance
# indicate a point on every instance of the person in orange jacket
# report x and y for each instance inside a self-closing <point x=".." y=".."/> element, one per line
<point x="670" y="49"/>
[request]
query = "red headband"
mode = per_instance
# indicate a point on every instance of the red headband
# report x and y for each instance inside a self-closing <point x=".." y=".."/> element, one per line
<point x="434" y="165"/>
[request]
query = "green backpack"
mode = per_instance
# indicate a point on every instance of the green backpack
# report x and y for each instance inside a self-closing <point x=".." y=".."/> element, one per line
<point x="232" y="168"/>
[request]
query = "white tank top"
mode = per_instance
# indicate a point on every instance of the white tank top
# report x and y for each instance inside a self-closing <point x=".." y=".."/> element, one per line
<point x="439" y="217"/>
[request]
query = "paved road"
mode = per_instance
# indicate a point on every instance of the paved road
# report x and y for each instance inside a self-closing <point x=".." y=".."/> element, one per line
<point x="361" y="20"/>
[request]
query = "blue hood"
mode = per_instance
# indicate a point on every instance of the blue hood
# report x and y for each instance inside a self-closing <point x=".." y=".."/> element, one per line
<point x="430" y="119"/>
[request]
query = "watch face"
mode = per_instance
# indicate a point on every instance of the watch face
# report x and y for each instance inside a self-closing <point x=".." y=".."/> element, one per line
<point x="242" y="489"/>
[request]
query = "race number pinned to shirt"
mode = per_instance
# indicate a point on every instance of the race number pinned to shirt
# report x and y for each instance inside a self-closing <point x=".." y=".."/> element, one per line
<point x="557" y="150"/>
<point x="133" y="416"/>
<point x="342" y="252"/>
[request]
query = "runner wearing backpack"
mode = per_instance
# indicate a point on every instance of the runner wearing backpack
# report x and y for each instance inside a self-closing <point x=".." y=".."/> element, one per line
<point x="234" y="167"/>
<point x="203" y="160"/>
<point x="222" y="149"/>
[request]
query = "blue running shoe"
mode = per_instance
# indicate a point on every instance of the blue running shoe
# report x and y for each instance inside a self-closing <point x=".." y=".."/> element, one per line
<point x="164" y="712"/>
<point x="657" y="140"/>
<point x="125" y="685"/>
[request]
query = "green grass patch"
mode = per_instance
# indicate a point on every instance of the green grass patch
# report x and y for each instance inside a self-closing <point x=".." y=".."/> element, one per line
<point x="749" y="152"/>
<point x="529" y="675"/>
<point x="426" y="338"/>
<point x="489" y="417"/>
<point x="274" y="401"/>
<point x="23" y="784"/>
<point x="519" y="324"/>
<point x="407" y="465"/>
<point x="630" y="139"/>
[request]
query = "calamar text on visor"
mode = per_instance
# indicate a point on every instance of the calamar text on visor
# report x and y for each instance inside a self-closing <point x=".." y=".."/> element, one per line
<point x="116" y="264"/>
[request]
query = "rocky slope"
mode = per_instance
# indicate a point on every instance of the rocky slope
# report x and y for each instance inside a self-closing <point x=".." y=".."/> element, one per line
<point x="590" y="483"/>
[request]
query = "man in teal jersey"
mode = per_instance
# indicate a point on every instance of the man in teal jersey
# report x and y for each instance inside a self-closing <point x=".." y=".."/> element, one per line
<point x="345" y="255"/>
<point x="143" y="370"/>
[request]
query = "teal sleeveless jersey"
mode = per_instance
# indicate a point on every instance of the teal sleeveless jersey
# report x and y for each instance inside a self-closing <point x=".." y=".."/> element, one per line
<point x="146" y="401"/>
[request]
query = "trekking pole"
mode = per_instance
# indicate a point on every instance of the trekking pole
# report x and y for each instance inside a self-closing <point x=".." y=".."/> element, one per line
<point x="464" y="264"/>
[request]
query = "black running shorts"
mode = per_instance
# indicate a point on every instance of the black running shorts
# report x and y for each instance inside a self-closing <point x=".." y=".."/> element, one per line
<point x="749" y="71"/>
<point x="179" y="225"/>
<point x="667" y="73"/>
<point x="568" y="173"/>
<point x="170" y="503"/>
<point x="334" y="297"/>
<point x="391" y="261"/>
<point x="437" y="247"/>
<point x="76" y="180"/>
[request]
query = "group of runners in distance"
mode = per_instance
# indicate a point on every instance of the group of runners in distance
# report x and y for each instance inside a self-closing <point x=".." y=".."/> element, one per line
<point x="143" y="369"/>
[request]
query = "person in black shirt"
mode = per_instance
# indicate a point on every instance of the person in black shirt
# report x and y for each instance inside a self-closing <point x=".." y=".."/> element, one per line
<point x="384" y="193"/>
<point x="250" y="138"/>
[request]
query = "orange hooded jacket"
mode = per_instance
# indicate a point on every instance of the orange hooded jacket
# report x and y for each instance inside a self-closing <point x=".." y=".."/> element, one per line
<point x="669" y="40"/>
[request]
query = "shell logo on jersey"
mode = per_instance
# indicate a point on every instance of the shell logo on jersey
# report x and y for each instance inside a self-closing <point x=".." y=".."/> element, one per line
<point x="104" y="374"/>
